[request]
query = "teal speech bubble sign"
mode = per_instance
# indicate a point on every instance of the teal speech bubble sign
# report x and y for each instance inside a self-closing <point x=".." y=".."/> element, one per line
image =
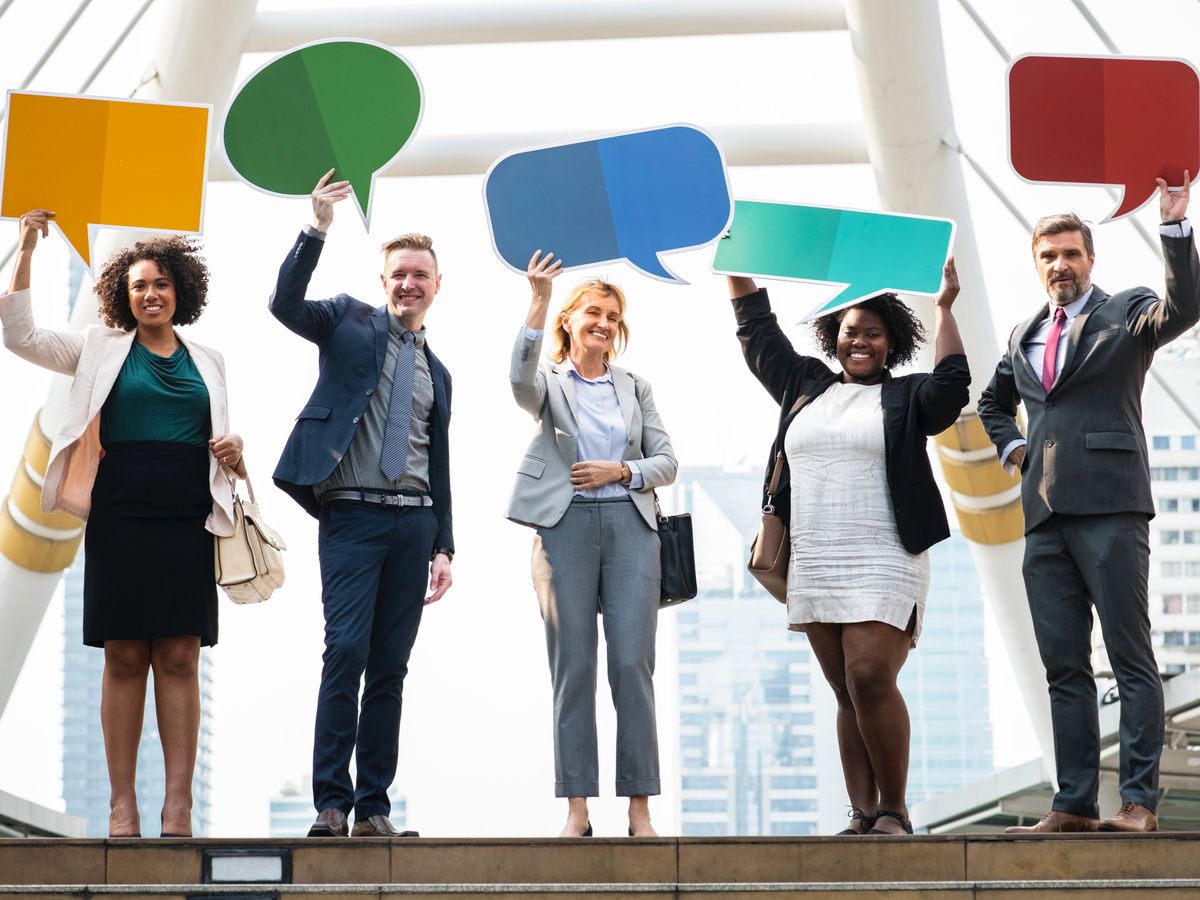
<point x="866" y="253"/>
<point x="341" y="104"/>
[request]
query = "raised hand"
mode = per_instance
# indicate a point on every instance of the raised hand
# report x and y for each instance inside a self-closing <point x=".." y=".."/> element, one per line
<point x="32" y="223"/>
<point x="950" y="286"/>
<point x="324" y="195"/>
<point x="541" y="272"/>
<point x="1173" y="204"/>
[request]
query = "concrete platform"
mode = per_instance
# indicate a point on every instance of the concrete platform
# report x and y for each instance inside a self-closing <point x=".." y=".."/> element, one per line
<point x="942" y="866"/>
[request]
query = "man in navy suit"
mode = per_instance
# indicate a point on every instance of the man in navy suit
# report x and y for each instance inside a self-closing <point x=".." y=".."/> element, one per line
<point x="369" y="459"/>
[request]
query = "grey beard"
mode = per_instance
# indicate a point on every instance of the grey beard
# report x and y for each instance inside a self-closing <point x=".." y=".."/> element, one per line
<point x="1066" y="295"/>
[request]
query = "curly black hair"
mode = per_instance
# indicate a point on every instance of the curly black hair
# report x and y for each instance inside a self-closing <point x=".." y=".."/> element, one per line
<point x="176" y="255"/>
<point x="904" y="329"/>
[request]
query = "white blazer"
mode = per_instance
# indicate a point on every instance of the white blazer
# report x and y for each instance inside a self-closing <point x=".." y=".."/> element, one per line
<point x="94" y="359"/>
<point x="543" y="488"/>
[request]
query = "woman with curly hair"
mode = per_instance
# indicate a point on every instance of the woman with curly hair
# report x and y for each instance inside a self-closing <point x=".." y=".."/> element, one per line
<point x="143" y="455"/>
<point x="864" y="509"/>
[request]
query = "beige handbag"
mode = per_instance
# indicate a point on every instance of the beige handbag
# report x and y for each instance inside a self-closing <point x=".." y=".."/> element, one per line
<point x="772" y="548"/>
<point x="250" y="561"/>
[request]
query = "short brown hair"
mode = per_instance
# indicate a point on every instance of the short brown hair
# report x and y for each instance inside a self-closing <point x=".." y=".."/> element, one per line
<point x="560" y="338"/>
<point x="176" y="255"/>
<point x="1059" y="224"/>
<point x="411" y="241"/>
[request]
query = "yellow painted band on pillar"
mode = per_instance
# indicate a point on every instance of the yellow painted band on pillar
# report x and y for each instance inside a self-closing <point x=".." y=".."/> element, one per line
<point x="980" y="479"/>
<point x="32" y="552"/>
<point x="24" y="548"/>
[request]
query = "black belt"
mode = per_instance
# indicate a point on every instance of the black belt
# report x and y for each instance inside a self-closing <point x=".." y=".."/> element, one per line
<point x="378" y="498"/>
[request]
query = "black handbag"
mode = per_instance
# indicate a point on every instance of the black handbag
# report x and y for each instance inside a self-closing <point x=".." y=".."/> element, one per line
<point x="678" y="558"/>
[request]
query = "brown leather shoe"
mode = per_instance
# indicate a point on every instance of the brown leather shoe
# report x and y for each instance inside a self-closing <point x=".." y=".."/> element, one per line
<point x="331" y="822"/>
<point x="1055" y="822"/>
<point x="379" y="826"/>
<point x="1132" y="818"/>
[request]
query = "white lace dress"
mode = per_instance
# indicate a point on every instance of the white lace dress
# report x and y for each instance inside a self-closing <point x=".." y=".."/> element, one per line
<point x="848" y="564"/>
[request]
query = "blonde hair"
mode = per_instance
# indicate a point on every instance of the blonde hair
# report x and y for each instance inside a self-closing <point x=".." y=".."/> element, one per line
<point x="411" y="241"/>
<point x="560" y="339"/>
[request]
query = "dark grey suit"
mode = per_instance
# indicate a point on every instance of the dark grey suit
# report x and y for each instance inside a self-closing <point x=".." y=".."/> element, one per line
<point x="1085" y="491"/>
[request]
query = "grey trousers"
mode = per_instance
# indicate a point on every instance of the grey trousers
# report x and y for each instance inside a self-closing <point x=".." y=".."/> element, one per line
<point x="601" y="558"/>
<point x="1073" y="563"/>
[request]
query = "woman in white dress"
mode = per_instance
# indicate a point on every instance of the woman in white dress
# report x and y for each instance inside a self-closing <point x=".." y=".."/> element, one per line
<point x="864" y="509"/>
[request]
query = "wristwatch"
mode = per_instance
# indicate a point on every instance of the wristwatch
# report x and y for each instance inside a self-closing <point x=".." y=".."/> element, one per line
<point x="448" y="553"/>
<point x="626" y="473"/>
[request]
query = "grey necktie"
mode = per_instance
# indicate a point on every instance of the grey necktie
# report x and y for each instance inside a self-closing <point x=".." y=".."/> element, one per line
<point x="394" y="457"/>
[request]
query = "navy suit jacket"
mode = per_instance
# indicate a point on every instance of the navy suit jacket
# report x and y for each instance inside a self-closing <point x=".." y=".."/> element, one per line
<point x="352" y="337"/>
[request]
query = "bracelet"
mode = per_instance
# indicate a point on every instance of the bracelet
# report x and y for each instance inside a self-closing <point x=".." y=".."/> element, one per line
<point x="626" y="473"/>
<point x="449" y="554"/>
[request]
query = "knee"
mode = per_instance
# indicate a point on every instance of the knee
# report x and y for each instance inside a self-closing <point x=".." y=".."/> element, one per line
<point x="343" y="655"/>
<point x="630" y="668"/>
<point x="841" y="692"/>
<point x="126" y="659"/>
<point x="175" y="659"/>
<point x="868" y="682"/>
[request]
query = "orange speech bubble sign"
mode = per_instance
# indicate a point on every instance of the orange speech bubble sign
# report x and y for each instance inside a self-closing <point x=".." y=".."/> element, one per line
<point x="99" y="162"/>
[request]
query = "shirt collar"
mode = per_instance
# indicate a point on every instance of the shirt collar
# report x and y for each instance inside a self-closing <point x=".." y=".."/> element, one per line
<point x="606" y="377"/>
<point x="396" y="328"/>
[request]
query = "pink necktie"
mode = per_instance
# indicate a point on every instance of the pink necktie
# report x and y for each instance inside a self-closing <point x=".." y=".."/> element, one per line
<point x="1051" y="356"/>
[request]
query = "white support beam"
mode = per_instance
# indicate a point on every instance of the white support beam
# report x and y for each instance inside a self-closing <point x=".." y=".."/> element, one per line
<point x="910" y="132"/>
<point x="479" y="22"/>
<point x="823" y="144"/>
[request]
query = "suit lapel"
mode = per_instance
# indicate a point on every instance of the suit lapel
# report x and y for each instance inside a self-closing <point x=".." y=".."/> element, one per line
<point x="563" y="376"/>
<point x="379" y="320"/>
<point x="211" y="376"/>
<point x="626" y="397"/>
<point x="1021" y="335"/>
<point x="116" y="349"/>
<point x="1075" y="334"/>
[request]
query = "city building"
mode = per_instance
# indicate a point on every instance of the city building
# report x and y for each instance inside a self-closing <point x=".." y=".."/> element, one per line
<point x="84" y="770"/>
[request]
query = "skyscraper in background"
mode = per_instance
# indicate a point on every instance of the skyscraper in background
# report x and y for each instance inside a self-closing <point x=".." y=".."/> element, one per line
<point x="758" y="751"/>
<point x="84" y="771"/>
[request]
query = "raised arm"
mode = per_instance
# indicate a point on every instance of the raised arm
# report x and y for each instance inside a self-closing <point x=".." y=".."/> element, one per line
<point x="313" y="320"/>
<point x="946" y="339"/>
<point x="528" y="383"/>
<point x="1158" y="322"/>
<point x="58" y="351"/>
<point x="768" y="352"/>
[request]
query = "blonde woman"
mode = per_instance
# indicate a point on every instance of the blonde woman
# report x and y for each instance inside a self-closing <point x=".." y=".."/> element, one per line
<point x="586" y="484"/>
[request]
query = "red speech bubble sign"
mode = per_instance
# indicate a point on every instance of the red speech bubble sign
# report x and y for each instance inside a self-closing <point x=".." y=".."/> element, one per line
<point x="1104" y="120"/>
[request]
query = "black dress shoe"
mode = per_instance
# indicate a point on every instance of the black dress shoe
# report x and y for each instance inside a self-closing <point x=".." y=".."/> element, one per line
<point x="331" y="822"/>
<point x="379" y="826"/>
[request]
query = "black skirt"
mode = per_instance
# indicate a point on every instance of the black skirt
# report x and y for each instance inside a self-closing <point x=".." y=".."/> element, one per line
<point x="148" y="568"/>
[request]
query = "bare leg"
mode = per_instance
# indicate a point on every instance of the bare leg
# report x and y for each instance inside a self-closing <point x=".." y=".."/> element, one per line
<point x="176" y="662"/>
<point x="639" y="816"/>
<point x="122" y="704"/>
<point x="826" y="642"/>
<point x="874" y="655"/>
<point x="577" y="818"/>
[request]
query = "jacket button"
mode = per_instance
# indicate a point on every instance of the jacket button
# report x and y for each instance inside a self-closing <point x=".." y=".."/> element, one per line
<point x="356" y="420"/>
<point x="1049" y="405"/>
<point x="370" y="391"/>
<point x="1049" y="443"/>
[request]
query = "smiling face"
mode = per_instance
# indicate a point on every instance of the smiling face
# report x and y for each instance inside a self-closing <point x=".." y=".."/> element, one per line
<point x="410" y="279"/>
<point x="593" y="324"/>
<point x="863" y="344"/>
<point x="151" y="293"/>
<point x="1064" y="266"/>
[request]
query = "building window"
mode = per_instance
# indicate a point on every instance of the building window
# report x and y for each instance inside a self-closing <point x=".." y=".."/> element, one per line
<point x="1161" y="442"/>
<point x="1171" y="568"/>
<point x="793" y="782"/>
<point x="692" y="805"/>
<point x="1191" y="567"/>
<point x="1173" y="638"/>
<point x="1192" y="504"/>
<point x="1190" y="473"/>
<point x="1172" y="603"/>
<point x="1168" y="504"/>
<point x="1192" y="604"/>
<point x="704" y="782"/>
<point x="787" y="804"/>
<point x="1193" y="638"/>
<point x="779" y="828"/>
<point x="1187" y="442"/>
<point x="1168" y="537"/>
<point x="1164" y="473"/>
<point x="1191" y="536"/>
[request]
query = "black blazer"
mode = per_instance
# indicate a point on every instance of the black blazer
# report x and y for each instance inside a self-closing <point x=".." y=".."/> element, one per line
<point x="914" y="407"/>
<point x="352" y="337"/>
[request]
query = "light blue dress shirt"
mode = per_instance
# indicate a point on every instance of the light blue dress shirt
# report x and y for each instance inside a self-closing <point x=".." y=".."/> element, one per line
<point x="602" y="434"/>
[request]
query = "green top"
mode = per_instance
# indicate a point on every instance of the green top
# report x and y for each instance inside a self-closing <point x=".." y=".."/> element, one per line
<point x="156" y="398"/>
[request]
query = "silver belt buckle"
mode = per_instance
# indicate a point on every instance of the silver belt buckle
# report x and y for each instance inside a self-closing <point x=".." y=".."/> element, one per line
<point x="392" y="499"/>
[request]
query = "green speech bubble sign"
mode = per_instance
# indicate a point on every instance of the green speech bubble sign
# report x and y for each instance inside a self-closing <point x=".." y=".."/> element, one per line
<point x="341" y="104"/>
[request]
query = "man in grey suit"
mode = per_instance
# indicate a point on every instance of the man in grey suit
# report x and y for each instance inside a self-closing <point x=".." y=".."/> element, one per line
<point x="1079" y="365"/>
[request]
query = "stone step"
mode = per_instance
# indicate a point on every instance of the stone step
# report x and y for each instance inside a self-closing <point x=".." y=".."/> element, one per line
<point x="943" y="866"/>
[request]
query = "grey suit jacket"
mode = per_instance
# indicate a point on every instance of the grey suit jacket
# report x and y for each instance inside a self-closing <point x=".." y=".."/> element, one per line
<point x="543" y="489"/>
<point x="1087" y="449"/>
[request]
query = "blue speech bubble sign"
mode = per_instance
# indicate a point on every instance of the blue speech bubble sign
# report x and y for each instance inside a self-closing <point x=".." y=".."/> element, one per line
<point x="632" y="197"/>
